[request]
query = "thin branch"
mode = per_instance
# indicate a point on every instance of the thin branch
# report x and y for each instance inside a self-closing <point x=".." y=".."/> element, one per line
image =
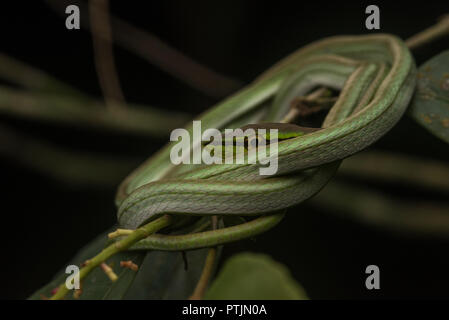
<point x="201" y="286"/>
<point x="295" y="112"/>
<point x="380" y="209"/>
<point x="208" y="268"/>
<point x="90" y="113"/>
<point x="114" y="248"/>
<point x="430" y="34"/>
<point x="167" y="58"/>
<point x="65" y="165"/>
<point x="103" y="53"/>
<point x="174" y="62"/>
<point x="394" y="167"/>
<point x="21" y="74"/>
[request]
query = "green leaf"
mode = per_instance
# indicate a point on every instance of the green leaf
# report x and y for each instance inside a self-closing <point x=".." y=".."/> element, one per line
<point x="97" y="285"/>
<point x="430" y="105"/>
<point x="249" y="276"/>
<point x="163" y="275"/>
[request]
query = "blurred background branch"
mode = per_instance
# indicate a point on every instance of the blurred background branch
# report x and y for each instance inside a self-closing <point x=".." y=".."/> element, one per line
<point x="103" y="54"/>
<point x="156" y="52"/>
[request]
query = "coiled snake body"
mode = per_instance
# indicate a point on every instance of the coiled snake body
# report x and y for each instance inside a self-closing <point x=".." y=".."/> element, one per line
<point x="375" y="75"/>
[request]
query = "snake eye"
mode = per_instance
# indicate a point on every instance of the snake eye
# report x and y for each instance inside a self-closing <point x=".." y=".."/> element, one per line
<point x="254" y="142"/>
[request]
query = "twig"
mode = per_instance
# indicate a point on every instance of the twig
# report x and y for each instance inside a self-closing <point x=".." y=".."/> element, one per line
<point x="103" y="53"/>
<point x="130" y="265"/>
<point x="377" y="208"/>
<point x="430" y="34"/>
<point x="167" y="58"/>
<point x="109" y="272"/>
<point x="208" y="268"/>
<point x="116" y="247"/>
<point x="78" y="292"/>
<point x="390" y="167"/>
<point x="64" y="165"/>
<point x="61" y="109"/>
<point x="119" y="233"/>
<point x="21" y="74"/>
<point x="201" y="286"/>
<point x="295" y="112"/>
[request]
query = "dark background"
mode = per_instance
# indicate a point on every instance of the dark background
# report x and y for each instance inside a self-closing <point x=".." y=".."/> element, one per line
<point x="44" y="223"/>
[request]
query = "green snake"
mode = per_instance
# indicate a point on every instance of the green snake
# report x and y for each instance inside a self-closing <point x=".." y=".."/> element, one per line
<point x="375" y="75"/>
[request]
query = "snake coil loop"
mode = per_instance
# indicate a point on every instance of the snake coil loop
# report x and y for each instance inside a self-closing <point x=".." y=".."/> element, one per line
<point x="375" y="75"/>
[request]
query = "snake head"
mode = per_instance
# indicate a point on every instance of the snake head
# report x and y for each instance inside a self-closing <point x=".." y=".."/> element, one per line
<point x="252" y="136"/>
